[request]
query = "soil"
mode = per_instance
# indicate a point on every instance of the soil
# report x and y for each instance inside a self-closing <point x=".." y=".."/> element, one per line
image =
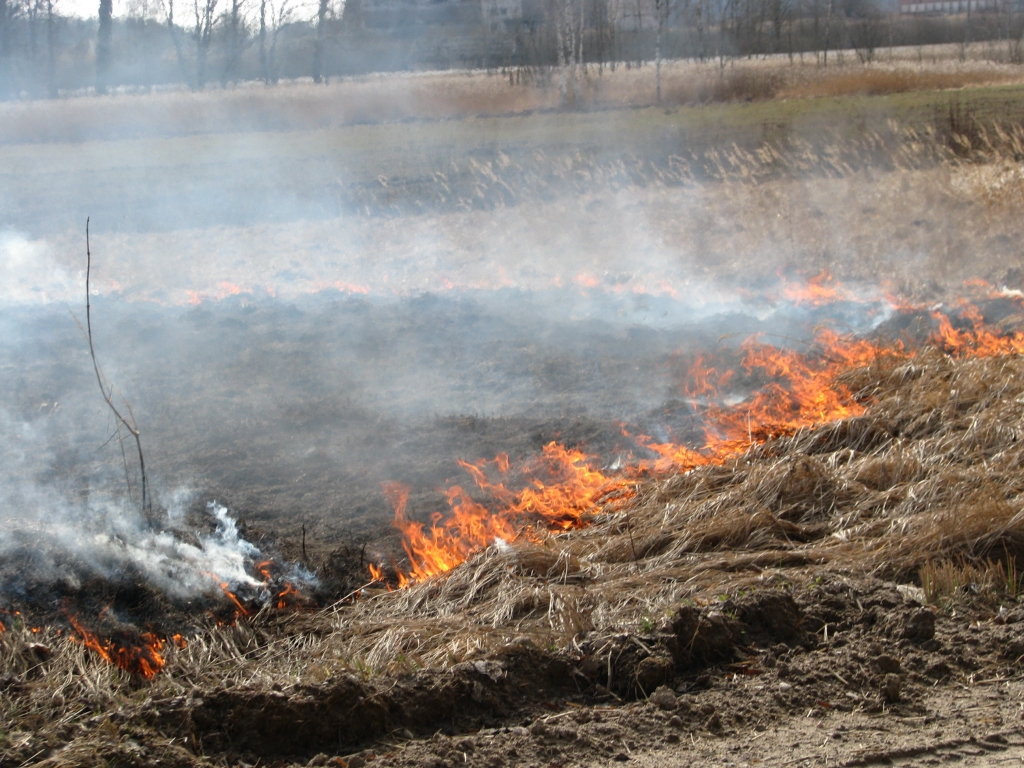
<point x="843" y="672"/>
<point x="836" y="671"/>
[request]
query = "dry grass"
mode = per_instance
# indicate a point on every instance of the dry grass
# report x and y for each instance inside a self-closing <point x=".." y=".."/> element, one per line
<point x="377" y="98"/>
<point x="930" y="476"/>
<point x="925" y="486"/>
<point x="945" y="581"/>
<point x="882" y="80"/>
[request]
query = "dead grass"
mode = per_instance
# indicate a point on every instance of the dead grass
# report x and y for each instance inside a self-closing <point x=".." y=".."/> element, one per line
<point x="371" y="99"/>
<point x="925" y="486"/>
<point x="887" y="80"/>
<point x="928" y="477"/>
<point x="946" y="581"/>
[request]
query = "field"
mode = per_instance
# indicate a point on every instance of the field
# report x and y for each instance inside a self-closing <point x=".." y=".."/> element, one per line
<point x="658" y="541"/>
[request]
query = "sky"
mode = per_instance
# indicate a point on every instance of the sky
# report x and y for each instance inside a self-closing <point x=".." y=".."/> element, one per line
<point x="85" y="8"/>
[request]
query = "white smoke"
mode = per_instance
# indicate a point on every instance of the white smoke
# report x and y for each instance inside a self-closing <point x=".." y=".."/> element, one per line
<point x="54" y="540"/>
<point x="31" y="273"/>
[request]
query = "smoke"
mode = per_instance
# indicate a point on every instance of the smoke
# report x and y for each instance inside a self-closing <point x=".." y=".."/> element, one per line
<point x="55" y="540"/>
<point x="30" y="272"/>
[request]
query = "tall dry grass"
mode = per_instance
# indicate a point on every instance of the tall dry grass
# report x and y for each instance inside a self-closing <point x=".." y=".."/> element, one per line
<point x="253" y="107"/>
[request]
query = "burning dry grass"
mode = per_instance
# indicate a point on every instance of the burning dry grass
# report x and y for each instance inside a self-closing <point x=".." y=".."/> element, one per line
<point x="923" y="486"/>
<point x="930" y="474"/>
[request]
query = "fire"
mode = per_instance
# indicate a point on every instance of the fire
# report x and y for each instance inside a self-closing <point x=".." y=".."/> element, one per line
<point x="562" y="489"/>
<point x="287" y="596"/>
<point x="977" y="340"/>
<point x="240" y="610"/>
<point x="817" y="291"/>
<point x="786" y="390"/>
<point x="145" y="659"/>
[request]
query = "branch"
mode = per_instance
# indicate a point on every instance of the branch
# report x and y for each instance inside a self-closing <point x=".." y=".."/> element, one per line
<point x="108" y="394"/>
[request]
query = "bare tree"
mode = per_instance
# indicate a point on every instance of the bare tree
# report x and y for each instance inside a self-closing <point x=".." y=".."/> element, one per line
<point x="318" y="42"/>
<point x="568" y="20"/>
<point x="51" y="50"/>
<point x="10" y="10"/>
<point x="235" y="39"/>
<point x="278" y="16"/>
<point x="205" y="15"/>
<point x="662" y="9"/>
<point x="103" y="35"/>
<point x="828" y="30"/>
<point x="172" y="29"/>
<point x="107" y="391"/>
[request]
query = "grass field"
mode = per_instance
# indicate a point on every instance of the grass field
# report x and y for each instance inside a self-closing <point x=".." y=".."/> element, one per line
<point x="461" y="178"/>
<point x="391" y="275"/>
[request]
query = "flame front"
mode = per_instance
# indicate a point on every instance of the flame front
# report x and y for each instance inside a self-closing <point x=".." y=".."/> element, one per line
<point x="792" y="390"/>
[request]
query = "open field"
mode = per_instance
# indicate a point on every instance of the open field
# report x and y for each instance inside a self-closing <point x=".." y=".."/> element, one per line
<point x="412" y="292"/>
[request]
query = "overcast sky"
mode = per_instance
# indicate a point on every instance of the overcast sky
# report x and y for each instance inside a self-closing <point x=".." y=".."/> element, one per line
<point x="85" y="8"/>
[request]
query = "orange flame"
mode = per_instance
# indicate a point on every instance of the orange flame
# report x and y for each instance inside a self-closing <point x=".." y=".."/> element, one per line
<point x="562" y="490"/>
<point x="792" y="390"/>
<point x="145" y="659"/>
<point x="240" y="610"/>
<point x="817" y="291"/>
<point x="286" y="597"/>
<point x="978" y="340"/>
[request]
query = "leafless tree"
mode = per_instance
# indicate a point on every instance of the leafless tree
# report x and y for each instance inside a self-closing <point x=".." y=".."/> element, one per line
<point x="235" y="39"/>
<point x="568" y="20"/>
<point x="278" y="17"/>
<point x="828" y="31"/>
<point x="318" y="42"/>
<point x="179" y="51"/>
<point x="9" y="10"/>
<point x="120" y="420"/>
<point x="51" y="50"/>
<point x="205" y="15"/>
<point x="662" y="9"/>
<point x="103" y="36"/>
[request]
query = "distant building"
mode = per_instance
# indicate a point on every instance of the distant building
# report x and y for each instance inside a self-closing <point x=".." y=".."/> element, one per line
<point x="948" y="7"/>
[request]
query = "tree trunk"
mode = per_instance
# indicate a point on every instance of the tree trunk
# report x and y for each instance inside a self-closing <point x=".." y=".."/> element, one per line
<point x="828" y="29"/>
<point x="51" y="51"/>
<point x="103" y="35"/>
<point x="4" y="49"/>
<point x="264" y="68"/>
<point x="318" y="43"/>
<point x="659" y="8"/>
<point x="173" y="30"/>
<point x="234" y="43"/>
<point x="967" y="32"/>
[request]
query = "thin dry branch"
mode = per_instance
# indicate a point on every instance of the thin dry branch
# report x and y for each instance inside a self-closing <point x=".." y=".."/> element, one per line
<point x="107" y="392"/>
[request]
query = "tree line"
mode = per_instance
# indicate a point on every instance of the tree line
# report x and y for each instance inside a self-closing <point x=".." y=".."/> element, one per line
<point x="200" y="42"/>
